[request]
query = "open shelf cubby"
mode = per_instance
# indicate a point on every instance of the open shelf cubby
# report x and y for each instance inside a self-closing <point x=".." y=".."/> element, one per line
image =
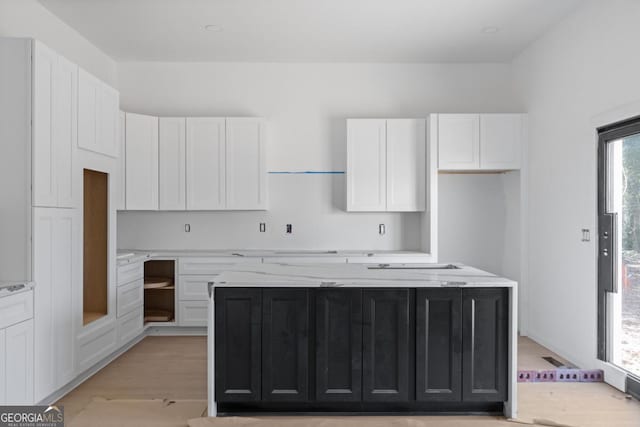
<point x="159" y="291"/>
<point x="96" y="246"/>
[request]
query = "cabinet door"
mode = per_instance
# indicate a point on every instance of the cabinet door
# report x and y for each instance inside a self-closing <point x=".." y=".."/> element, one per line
<point x="206" y="164"/>
<point x="500" y="141"/>
<point x="88" y="88"/>
<point x="338" y="345"/>
<point x="142" y="162"/>
<point x="366" y="165"/>
<point x="55" y="240"/>
<point x="438" y="344"/>
<point x="44" y="151"/>
<point x="19" y="364"/>
<point x="121" y="202"/>
<point x="386" y="345"/>
<point x="172" y="161"/>
<point x="65" y="131"/>
<point x="285" y="345"/>
<point x="406" y="161"/>
<point x="238" y="344"/>
<point x="458" y="141"/>
<point x="108" y="116"/>
<point x="246" y="164"/>
<point x="485" y="343"/>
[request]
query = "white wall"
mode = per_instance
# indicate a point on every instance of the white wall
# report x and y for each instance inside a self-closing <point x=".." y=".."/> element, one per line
<point x="306" y="106"/>
<point x="479" y="221"/>
<point x="28" y="18"/>
<point x="582" y="68"/>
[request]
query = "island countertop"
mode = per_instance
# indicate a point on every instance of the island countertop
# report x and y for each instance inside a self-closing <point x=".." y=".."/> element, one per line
<point x="359" y="275"/>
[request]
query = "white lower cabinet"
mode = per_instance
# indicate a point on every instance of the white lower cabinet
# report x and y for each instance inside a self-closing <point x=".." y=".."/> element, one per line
<point x="193" y="313"/>
<point x="19" y="364"/>
<point x="55" y="248"/>
<point x="194" y="288"/>
<point x="130" y="326"/>
<point x="96" y="344"/>
<point x="16" y="349"/>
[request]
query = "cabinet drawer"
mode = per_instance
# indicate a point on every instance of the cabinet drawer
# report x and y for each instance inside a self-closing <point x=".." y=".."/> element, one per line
<point x="212" y="265"/>
<point x="130" y="326"/>
<point x="96" y="345"/>
<point x="193" y="313"/>
<point x="194" y="288"/>
<point x="16" y="308"/>
<point x="129" y="272"/>
<point x="130" y="296"/>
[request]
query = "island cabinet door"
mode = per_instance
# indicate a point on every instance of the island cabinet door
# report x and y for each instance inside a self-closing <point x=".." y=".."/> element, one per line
<point x="386" y="345"/>
<point x="484" y="345"/>
<point x="338" y="345"/>
<point x="438" y="344"/>
<point x="285" y="345"/>
<point x="238" y="344"/>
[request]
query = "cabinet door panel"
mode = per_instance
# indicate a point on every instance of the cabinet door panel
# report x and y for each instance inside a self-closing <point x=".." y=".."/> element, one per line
<point x="88" y="88"/>
<point x="238" y="344"/>
<point x="121" y="202"/>
<point x="406" y="161"/>
<point x="44" y="150"/>
<point x="108" y="116"/>
<point x="438" y="344"/>
<point x="246" y="164"/>
<point x="500" y="141"/>
<point x="172" y="161"/>
<point x="386" y="345"/>
<point x="19" y="364"/>
<point x="65" y="129"/>
<point x="485" y="342"/>
<point x="458" y="141"/>
<point x="206" y="164"/>
<point x="142" y="162"/>
<point x="366" y="165"/>
<point x="285" y="336"/>
<point x="339" y="345"/>
<point x="3" y="368"/>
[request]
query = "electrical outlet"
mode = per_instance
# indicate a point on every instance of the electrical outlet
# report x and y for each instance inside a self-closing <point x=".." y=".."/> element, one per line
<point x="382" y="229"/>
<point x="586" y="235"/>
<point x="187" y="228"/>
<point x="289" y="229"/>
<point x="263" y="227"/>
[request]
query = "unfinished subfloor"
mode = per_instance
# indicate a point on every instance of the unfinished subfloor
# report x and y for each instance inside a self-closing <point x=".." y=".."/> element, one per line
<point x="162" y="382"/>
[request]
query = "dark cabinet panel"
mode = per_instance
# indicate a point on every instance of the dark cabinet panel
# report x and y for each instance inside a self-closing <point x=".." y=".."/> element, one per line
<point x="237" y="344"/>
<point x="439" y="344"/>
<point x="485" y="344"/>
<point x="338" y="345"/>
<point x="285" y="344"/>
<point x="386" y="345"/>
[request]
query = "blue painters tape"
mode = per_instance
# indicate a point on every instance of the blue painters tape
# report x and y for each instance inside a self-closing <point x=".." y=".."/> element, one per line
<point x="306" y="172"/>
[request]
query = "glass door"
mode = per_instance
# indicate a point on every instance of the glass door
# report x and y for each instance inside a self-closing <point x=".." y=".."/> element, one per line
<point x="619" y="246"/>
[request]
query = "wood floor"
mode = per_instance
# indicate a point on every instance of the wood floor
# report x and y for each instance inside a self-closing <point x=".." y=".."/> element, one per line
<point x="162" y="381"/>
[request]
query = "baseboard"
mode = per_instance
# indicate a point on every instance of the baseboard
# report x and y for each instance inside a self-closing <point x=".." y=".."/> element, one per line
<point x="572" y="360"/>
<point x="150" y="331"/>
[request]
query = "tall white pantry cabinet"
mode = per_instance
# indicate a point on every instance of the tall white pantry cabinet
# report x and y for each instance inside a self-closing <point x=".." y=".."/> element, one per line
<point x="41" y="193"/>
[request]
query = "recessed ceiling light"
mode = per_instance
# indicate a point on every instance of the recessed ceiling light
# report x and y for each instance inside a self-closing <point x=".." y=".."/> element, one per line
<point x="213" y="28"/>
<point x="491" y="30"/>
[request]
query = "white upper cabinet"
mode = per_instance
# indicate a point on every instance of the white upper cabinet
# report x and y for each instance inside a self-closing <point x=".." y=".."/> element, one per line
<point x="366" y="165"/>
<point x="122" y="164"/>
<point x="386" y="161"/>
<point x="54" y="128"/>
<point x="206" y="172"/>
<point x="458" y="141"/>
<point x="500" y="141"/>
<point x="246" y="186"/>
<point x="406" y="160"/>
<point x="479" y="141"/>
<point x="98" y="115"/>
<point x="172" y="163"/>
<point x="141" y="172"/>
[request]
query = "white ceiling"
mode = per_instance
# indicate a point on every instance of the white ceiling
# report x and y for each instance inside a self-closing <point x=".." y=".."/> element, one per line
<point x="312" y="30"/>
